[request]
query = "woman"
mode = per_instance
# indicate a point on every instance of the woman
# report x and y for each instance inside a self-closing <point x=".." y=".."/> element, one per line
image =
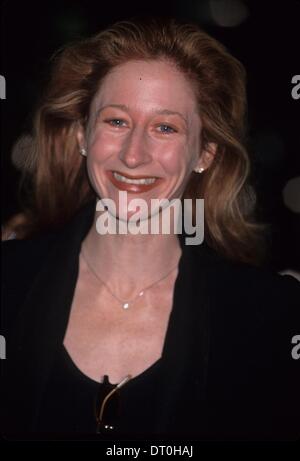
<point x="141" y="335"/>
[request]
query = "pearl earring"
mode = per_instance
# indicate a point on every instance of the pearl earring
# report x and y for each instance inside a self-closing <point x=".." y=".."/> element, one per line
<point x="83" y="152"/>
<point x="198" y="170"/>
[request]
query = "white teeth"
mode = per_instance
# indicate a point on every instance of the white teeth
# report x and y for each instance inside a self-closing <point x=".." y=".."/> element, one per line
<point x="133" y="181"/>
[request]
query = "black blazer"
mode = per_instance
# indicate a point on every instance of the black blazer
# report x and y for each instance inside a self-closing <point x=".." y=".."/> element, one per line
<point x="228" y="372"/>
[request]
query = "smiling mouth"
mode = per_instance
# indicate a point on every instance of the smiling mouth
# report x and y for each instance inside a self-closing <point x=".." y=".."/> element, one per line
<point x="131" y="180"/>
<point x="133" y="183"/>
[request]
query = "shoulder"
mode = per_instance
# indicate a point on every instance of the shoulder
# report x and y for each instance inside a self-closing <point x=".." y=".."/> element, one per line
<point x="24" y="260"/>
<point x="249" y="300"/>
<point x="254" y="321"/>
<point x="21" y="262"/>
<point x="248" y="282"/>
<point x="254" y="318"/>
<point x="23" y="257"/>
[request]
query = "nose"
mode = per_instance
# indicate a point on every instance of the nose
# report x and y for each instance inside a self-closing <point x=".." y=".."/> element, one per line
<point x="135" y="149"/>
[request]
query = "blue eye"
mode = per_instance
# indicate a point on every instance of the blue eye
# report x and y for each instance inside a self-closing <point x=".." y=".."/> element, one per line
<point x="115" y="122"/>
<point x="167" y="129"/>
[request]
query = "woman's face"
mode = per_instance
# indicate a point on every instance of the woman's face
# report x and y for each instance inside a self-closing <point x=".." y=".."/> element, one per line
<point x="144" y="126"/>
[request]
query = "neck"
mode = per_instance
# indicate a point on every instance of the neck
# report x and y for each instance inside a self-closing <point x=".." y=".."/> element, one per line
<point x="131" y="261"/>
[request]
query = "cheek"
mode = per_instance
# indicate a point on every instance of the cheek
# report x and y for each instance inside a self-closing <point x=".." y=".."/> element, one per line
<point x="102" y="146"/>
<point x="175" y="159"/>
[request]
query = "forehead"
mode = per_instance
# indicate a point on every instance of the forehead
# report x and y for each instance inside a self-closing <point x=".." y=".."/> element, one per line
<point x="142" y="84"/>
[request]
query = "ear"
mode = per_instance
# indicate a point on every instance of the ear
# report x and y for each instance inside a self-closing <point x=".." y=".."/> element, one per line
<point x="80" y="136"/>
<point x="207" y="156"/>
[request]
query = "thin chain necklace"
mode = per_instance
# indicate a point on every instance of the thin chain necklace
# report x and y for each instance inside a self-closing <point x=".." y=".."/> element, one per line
<point x="125" y="304"/>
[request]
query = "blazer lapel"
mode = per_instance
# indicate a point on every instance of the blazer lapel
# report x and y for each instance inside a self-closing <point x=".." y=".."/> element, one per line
<point x="41" y="325"/>
<point x="186" y="351"/>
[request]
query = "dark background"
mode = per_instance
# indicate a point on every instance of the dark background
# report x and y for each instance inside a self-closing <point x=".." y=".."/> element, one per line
<point x="266" y="41"/>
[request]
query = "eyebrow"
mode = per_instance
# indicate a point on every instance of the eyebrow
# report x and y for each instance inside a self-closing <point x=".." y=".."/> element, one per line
<point x="126" y="109"/>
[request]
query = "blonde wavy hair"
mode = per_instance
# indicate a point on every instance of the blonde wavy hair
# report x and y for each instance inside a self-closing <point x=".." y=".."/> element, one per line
<point x="60" y="185"/>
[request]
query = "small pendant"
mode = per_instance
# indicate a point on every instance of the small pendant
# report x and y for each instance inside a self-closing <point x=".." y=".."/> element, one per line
<point x="125" y="305"/>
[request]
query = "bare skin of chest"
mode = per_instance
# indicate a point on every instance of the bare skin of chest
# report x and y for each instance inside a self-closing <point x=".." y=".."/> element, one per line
<point x="102" y="338"/>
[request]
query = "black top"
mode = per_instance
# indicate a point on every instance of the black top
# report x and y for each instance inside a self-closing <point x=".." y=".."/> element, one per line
<point x="227" y="370"/>
<point x="70" y="401"/>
